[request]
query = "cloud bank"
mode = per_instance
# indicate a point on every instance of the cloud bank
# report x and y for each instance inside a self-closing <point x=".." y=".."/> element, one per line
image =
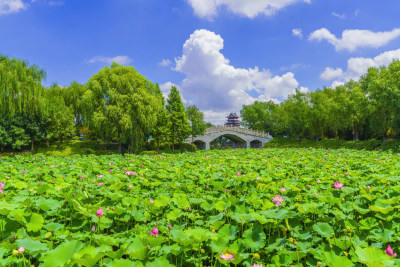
<point x="353" y="39"/>
<point x="216" y="86"/>
<point x="247" y="8"/>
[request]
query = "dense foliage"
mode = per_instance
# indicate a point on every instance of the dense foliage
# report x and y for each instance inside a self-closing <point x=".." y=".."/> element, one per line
<point x="274" y="207"/>
<point x="364" y="109"/>
<point x="116" y="105"/>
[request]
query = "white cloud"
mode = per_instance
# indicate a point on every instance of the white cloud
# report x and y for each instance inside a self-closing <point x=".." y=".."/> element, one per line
<point x="340" y="16"/>
<point x="330" y="73"/>
<point x="353" y="39"/>
<point x="298" y="33"/>
<point x="358" y="66"/>
<point x="123" y="60"/>
<point x="165" y="62"/>
<point x="247" y="8"/>
<point x="11" y="6"/>
<point x="214" y="85"/>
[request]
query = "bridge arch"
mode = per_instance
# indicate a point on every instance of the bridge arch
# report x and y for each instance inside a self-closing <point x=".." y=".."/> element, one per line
<point x="241" y="135"/>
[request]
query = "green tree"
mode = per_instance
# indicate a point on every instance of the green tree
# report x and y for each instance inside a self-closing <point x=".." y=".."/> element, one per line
<point x="196" y="120"/>
<point x="5" y="138"/>
<point x="383" y="90"/>
<point x="179" y="127"/>
<point x="124" y="104"/>
<point x="20" y="87"/>
<point x="160" y="131"/>
<point x="260" y="116"/>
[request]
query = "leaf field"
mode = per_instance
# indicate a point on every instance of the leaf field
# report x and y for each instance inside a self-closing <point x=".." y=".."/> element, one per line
<point x="243" y="207"/>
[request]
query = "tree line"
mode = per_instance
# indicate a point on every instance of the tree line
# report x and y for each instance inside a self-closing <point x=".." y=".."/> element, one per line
<point x="117" y="103"/>
<point x="365" y="109"/>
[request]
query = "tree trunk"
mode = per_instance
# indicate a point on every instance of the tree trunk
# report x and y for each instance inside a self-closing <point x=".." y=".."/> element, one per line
<point x="158" y="143"/>
<point x="355" y="138"/>
<point x="32" y="144"/>
<point x="47" y="142"/>
<point x="2" y="149"/>
<point x="192" y="144"/>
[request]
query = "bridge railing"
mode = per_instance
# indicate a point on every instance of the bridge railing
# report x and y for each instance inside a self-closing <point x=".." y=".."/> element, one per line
<point x="219" y="128"/>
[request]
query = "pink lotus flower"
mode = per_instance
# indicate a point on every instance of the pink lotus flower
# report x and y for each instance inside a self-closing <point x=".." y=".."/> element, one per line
<point x="110" y="170"/>
<point x="337" y="185"/>
<point x="389" y="251"/>
<point x="93" y="228"/>
<point x="257" y="265"/>
<point x="151" y="201"/>
<point x="100" y="213"/>
<point x="169" y="226"/>
<point x="154" y="232"/>
<point x="238" y="174"/>
<point x="227" y="256"/>
<point x="1" y="187"/>
<point x="130" y="173"/>
<point x="278" y="200"/>
<point x="130" y="186"/>
<point x="319" y="181"/>
<point x="368" y="187"/>
<point x="283" y="189"/>
<point x="100" y="175"/>
<point x="23" y="171"/>
<point x="100" y="184"/>
<point x="21" y="250"/>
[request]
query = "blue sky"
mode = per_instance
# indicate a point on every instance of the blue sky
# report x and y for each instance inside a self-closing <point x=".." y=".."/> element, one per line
<point x="221" y="54"/>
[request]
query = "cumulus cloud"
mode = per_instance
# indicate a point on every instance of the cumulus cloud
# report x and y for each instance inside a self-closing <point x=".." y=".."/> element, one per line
<point x="165" y="62"/>
<point x="166" y="88"/>
<point x="11" y="6"/>
<point x="358" y="66"/>
<point x="123" y="60"/>
<point x="214" y="85"/>
<point x="247" y="8"/>
<point x="353" y="39"/>
<point x="298" y="33"/>
<point x="330" y="73"/>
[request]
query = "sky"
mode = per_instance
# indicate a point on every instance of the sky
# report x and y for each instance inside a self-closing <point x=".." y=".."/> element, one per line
<point x="220" y="54"/>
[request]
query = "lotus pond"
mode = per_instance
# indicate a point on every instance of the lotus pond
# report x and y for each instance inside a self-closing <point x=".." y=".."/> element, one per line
<point x="275" y="207"/>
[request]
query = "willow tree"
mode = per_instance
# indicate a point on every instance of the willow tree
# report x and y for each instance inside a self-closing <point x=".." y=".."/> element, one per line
<point x="124" y="104"/>
<point x="20" y="86"/>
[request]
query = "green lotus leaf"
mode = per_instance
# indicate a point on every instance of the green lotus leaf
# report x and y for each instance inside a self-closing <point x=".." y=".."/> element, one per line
<point x="137" y="250"/>
<point x="331" y="259"/>
<point x="125" y="263"/>
<point x="159" y="263"/>
<point x="323" y="229"/>
<point x="32" y="245"/>
<point x="281" y="260"/>
<point x="254" y="238"/>
<point x="373" y="256"/>
<point x="35" y="222"/>
<point x="62" y="254"/>
<point x="229" y="231"/>
<point x="89" y="256"/>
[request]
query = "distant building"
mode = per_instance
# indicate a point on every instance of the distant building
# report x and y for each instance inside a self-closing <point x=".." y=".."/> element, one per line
<point x="232" y="120"/>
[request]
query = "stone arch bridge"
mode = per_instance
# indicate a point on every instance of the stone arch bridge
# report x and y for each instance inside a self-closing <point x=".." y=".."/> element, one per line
<point x="236" y="134"/>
